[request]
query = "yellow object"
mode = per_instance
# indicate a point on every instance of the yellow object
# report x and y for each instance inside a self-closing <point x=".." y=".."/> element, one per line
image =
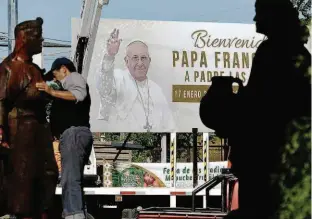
<point x="57" y="154"/>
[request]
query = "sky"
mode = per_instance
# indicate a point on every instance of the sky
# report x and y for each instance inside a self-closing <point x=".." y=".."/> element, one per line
<point x="57" y="15"/>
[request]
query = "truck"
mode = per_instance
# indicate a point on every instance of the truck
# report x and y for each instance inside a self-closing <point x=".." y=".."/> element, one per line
<point x="128" y="201"/>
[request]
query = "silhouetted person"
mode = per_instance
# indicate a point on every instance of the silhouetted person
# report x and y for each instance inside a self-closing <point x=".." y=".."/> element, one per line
<point x="278" y="92"/>
<point x="31" y="173"/>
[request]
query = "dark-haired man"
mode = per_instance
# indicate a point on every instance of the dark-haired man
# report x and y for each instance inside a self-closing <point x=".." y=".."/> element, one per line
<point x="69" y="120"/>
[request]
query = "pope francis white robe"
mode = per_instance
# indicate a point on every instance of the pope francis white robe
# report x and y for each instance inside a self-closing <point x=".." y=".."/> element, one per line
<point x="127" y="105"/>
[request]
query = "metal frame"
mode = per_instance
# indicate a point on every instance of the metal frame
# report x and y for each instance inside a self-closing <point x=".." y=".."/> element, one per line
<point x="90" y="18"/>
<point x="173" y="166"/>
<point x="225" y="178"/>
<point x="195" y="166"/>
<point x="122" y="147"/>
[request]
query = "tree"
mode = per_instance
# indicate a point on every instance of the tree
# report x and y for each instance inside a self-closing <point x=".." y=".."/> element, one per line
<point x="151" y="142"/>
<point x="294" y="176"/>
<point x="294" y="173"/>
<point x="304" y="8"/>
<point x="184" y="144"/>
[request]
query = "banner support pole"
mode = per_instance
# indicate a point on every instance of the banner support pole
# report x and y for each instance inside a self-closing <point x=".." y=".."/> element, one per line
<point x="173" y="165"/>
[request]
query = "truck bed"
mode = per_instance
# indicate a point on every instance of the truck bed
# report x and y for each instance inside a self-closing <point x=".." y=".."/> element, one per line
<point x="180" y="213"/>
<point x="227" y="180"/>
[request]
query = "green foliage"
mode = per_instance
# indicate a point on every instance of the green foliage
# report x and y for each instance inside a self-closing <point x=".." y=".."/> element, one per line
<point x="304" y="8"/>
<point x="111" y="136"/>
<point x="184" y="144"/>
<point x="295" y="172"/>
<point x="152" y="144"/>
<point x="294" y="178"/>
<point x="148" y="140"/>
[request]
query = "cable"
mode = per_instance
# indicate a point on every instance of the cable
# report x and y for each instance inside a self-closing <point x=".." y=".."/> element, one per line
<point x="65" y="41"/>
<point x="52" y="54"/>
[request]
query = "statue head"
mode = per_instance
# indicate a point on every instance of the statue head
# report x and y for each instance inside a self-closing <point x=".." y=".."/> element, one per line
<point x="28" y="36"/>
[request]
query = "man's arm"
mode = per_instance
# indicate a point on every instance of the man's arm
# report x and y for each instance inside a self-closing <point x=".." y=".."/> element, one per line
<point x="75" y="86"/>
<point x="65" y="95"/>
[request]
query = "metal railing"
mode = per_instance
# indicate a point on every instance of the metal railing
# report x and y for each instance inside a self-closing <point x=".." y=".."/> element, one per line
<point x="224" y="178"/>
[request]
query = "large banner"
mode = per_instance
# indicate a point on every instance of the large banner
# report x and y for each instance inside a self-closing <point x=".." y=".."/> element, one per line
<point x="156" y="175"/>
<point x="151" y="75"/>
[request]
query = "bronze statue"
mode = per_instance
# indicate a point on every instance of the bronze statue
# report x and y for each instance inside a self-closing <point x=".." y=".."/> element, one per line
<point x="30" y="175"/>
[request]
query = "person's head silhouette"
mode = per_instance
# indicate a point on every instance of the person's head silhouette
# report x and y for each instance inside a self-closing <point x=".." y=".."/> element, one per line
<point x="278" y="19"/>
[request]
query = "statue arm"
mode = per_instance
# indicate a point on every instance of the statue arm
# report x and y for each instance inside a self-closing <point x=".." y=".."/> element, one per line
<point x="2" y="114"/>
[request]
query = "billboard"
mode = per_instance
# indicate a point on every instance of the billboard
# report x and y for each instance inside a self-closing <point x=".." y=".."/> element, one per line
<point x="150" y="75"/>
<point x="156" y="175"/>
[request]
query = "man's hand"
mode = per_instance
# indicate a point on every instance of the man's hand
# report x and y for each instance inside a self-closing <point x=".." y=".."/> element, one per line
<point x="2" y="142"/>
<point x="113" y="43"/>
<point x="42" y="86"/>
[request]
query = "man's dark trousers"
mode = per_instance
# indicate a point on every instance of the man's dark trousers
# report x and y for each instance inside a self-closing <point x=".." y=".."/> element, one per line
<point x="75" y="147"/>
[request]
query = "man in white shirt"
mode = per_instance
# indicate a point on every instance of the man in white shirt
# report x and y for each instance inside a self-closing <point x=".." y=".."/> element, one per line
<point x="129" y="100"/>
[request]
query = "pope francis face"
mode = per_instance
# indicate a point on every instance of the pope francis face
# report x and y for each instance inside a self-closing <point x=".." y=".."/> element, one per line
<point x="137" y="60"/>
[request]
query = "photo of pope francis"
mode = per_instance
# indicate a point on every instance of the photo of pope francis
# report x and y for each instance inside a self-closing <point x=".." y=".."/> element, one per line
<point x="129" y="100"/>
